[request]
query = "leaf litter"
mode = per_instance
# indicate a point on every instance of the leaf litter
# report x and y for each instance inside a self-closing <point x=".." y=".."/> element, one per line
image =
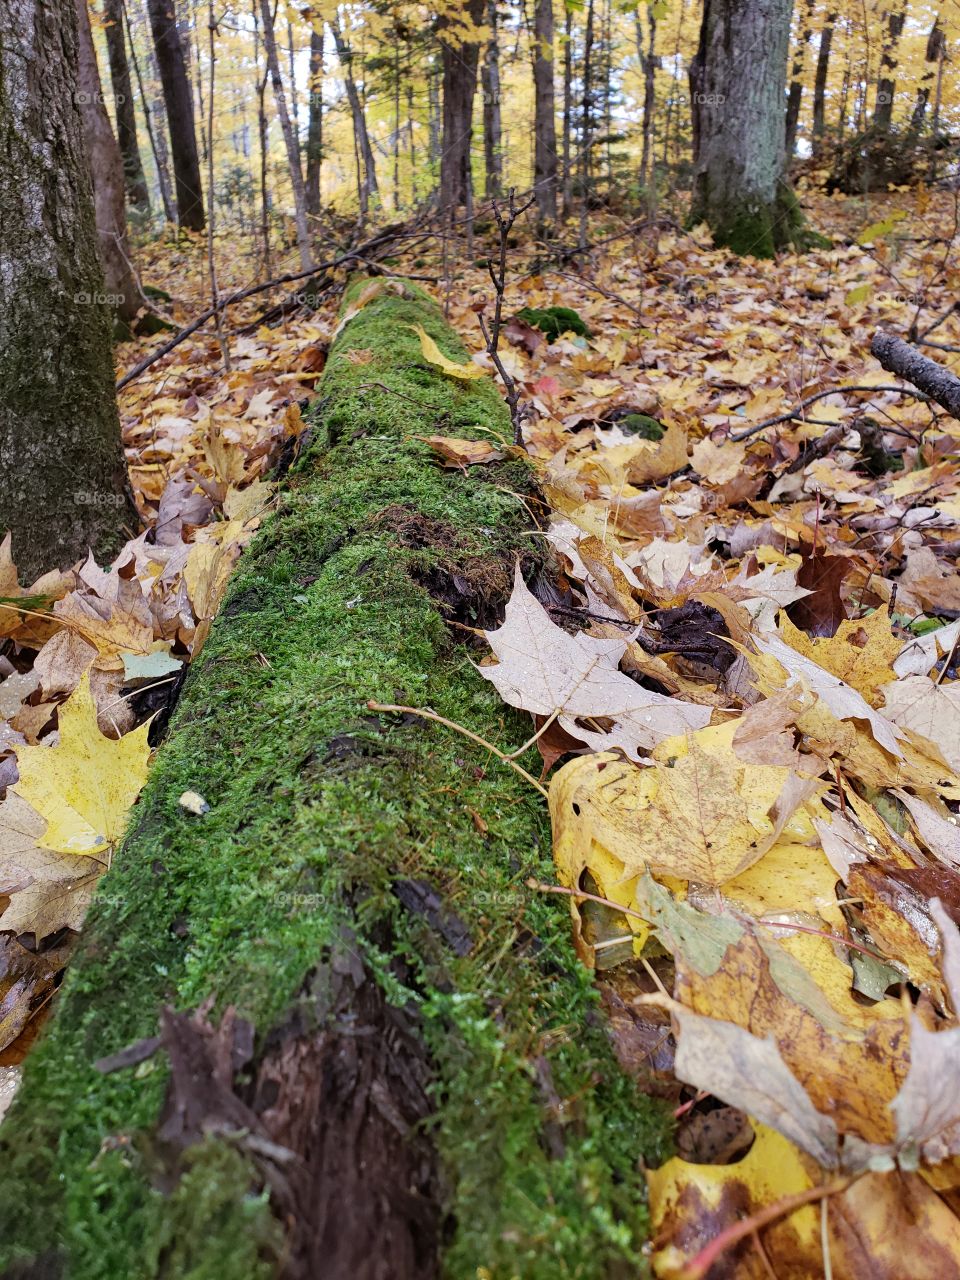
<point x="785" y="864"/>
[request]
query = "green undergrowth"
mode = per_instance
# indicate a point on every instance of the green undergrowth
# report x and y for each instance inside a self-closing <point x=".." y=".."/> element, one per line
<point x="316" y="801"/>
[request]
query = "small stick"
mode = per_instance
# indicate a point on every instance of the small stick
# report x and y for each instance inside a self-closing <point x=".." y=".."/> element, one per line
<point x="505" y="223"/>
<point x="699" y="1266"/>
<point x="467" y="733"/>
<point x="819" y="395"/>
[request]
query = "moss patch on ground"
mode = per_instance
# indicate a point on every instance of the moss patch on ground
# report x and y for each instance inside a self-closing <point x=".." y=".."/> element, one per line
<point x="318" y="807"/>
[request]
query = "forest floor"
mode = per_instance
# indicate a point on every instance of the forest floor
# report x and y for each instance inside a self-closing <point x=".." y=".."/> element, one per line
<point x="756" y="529"/>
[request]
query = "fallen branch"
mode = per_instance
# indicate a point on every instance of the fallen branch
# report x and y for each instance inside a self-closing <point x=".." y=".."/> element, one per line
<point x="936" y="382"/>
<point x="352" y="255"/>
<point x="818" y="395"/>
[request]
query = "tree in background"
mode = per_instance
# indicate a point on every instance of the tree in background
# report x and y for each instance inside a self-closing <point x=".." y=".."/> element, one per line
<point x="492" y="121"/>
<point x="178" y="97"/>
<point x="289" y="137"/>
<point x="63" y="485"/>
<point x="106" y="168"/>
<point x="136" y="184"/>
<point x="887" y="83"/>
<point x="738" y="85"/>
<point x="367" y="186"/>
<point x="314" y="149"/>
<point x="460" y="33"/>
<point x="795" y="95"/>
<point x="820" y="83"/>
<point x="544" y="113"/>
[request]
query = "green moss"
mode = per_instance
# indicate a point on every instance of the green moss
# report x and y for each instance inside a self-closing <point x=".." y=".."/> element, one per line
<point x="316" y="806"/>
<point x="752" y="228"/>
<point x="554" y="321"/>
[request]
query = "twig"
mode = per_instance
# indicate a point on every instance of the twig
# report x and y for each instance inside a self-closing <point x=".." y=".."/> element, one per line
<point x="352" y="255"/>
<point x="426" y="714"/>
<point x="818" y="395"/>
<point x="953" y="307"/>
<point x="699" y="1266"/>
<point x="505" y="223"/>
<point x="597" y="288"/>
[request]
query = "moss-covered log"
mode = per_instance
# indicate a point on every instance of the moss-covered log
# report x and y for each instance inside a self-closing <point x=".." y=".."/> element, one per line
<point x="428" y="1088"/>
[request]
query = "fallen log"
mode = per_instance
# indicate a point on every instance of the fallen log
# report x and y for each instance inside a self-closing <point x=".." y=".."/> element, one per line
<point x="899" y="357"/>
<point x="324" y="1028"/>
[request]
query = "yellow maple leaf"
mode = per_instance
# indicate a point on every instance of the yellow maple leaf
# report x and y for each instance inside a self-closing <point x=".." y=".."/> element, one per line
<point x="700" y="813"/>
<point x="861" y="653"/>
<point x="85" y="785"/>
<point x="434" y="356"/>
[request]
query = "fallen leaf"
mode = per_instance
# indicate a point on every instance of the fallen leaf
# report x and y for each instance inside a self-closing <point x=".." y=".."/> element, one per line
<point x="84" y="786"/>
<point x="460" y="454"/>
<point x="434" y="356"/>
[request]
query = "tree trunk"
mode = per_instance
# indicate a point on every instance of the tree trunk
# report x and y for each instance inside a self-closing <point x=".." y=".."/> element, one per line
<point x="156" y="135"/>
<point x="820" y="83"/>
<point x="795" y="95"/>
<point x="932" y="58"/>
<point x="63" y="484"/>
<point x="289" y="138"/>
<point x="136" y="183"/>
<point x="545" y="123"/>
<point x="106" y="169"/>
<point x="648" y="64"/>
<point x="739" y="184"/>
<point x="567" y="109"/>
<point x="367" y="187"/>
<point x="179" y="103"/>
<point x="887" y="83"/>
<point x="492" y="124"/>
<point x="460" y="59"/>
<point x="586" y="123"/>
<point x="315" y="122"/>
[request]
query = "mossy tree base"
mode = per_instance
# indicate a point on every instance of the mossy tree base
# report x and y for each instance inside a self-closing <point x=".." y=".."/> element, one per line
<point x="761" y="229"/>
<point x="356" y="893"/>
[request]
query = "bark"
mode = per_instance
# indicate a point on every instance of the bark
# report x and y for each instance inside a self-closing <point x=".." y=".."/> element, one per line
<point x="648" y="64"/>
<point x="460" y="59"/>
<point x="315" y="123"/>
<point x="899" y="357"/>
<point x="545" y="124"/>
<point x="367" y="186"/>
<point x="820" y="83"/>
<point x="935" y="41"/>
<point x="178" y="99"/>
<point x="567" y="109"/>
<point x="63" y="485"/>
<point x="739" y="178"/>
<point x="156" y="136"/>
<point x="106" y="168"/>
<point x="795" y="95"/>
<point x="887" y="83"/>
<point x="136" y="183"/>
<point x="492" y="124"/>
<point x="289" y="137"/>
<point x="586" y="123"/>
